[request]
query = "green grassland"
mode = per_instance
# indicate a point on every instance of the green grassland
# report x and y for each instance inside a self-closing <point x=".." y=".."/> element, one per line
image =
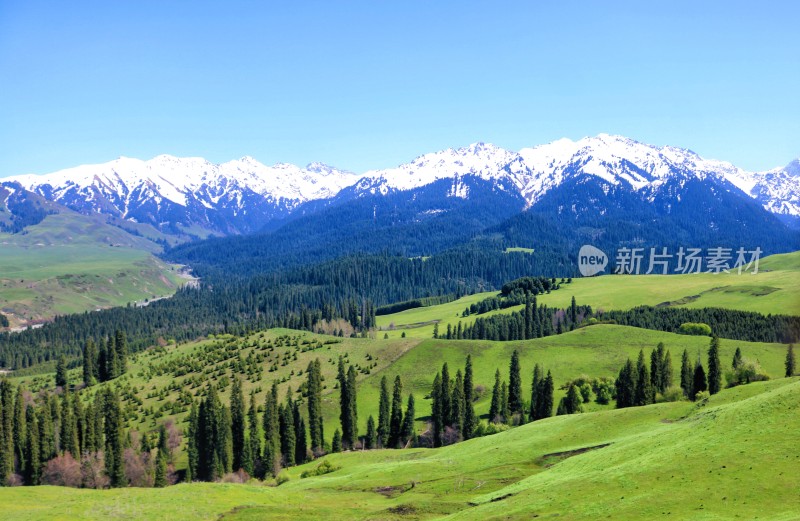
<point x="157" y="376"/>
<point x="734" y="457"/>
<point x="774" y="289"/>
<point x="71" y="263"/>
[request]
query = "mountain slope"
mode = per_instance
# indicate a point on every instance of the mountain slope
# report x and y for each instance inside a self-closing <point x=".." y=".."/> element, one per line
<point x="192" y="197"/>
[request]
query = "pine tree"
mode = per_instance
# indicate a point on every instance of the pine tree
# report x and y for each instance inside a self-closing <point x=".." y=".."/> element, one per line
<point x="371" y="440"/>
<point x="19" y="427"/>
<point x="536" y="390"/>
<point x="384" y="414"/>
<point x="61" y="372"/>
<point x="790" y="362"/>
<point x="714" y="367"/>
<point x="687" y="375"/>
<point x="495" y="409"/>
<point x="272" y="453"/>
<point x="573" y="400"/>
<point x="161" y="471"/>
<point x="656" y="366"/>
<point x="301" y="443"/>
<point x="288" y="439"/>
<point x="470" y="420"/>
<point x="89" y="363"/>
<point x="225" y="441"/>
<point x="121" y="347"/>
<point x="447" y="396"/>
<point x="251" y="463"/>
<point x="737" y="359"/>
<point x="237" y="424"/>
<point x="336" y="443"/>
<point x="545" y="401"/>
<point x="644" y="392"/>
<point x="112" y="359"/>
<point x="396" y="422"/>
<point x="6" y="431"/>
<point x="314" y="390"/>
<point x="626" y="385"/>
<point x="69" y="427"/>
<point x="407" y="431"/>
<point x="437" y="416"/>
<point x="32" y="458"/>
<point x="457" y="403"/>
<point x="699" y="382"/>
<point x="191" y="444"/>
<point x="514" y="386"/>
<point x="505" y="411"/>
<point x="666" y="372"/>
<point x="112" y="414"/>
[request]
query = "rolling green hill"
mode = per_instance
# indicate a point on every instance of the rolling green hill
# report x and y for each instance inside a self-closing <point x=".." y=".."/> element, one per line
<point x="70" y="263"/>
<point x="733" y="457"/>
<point x="774" y="289"/>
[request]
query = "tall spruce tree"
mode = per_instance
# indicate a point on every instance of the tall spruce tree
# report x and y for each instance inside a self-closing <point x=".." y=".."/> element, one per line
<point x="61" y="372"/>
<point x="470" y="419"/>
<point x="89" y="363"/>
<point x="514" y="385"/>
<point x="687" y="375"/>
<point x="644" y="392"/>
<point x="32" y="458"/>
<point x="252" y="463"/>
<point x="656" y="367"/>
<point x="384" y="414"/>
<point x="666" y="372"/>
<point x="446" y="396"/>
<point x="371" y="439"/>
<point x="495" y="409"/>
<point x="121" y="347"/>
<point x="457" y="403"/>
<point x="407" y="433"/>
<point x="437" y="416"/>
<point x="714" y="367"/>
<point x="545" y="401"/>
<point x="192" y="449"/>
<point x="396" y="422"/>
<point x="536" y="390"/>
<point x="790" y="362"/>
<point x="737" y="359"/>
<point x="505" y="411"/>
<point x="112" y="415"/>
<point x="301" y="443"/>
<point x="626" y="385"/>
<point x="237" y="424"/>
<point x="19" y="427"/>
<point x="271" y="420"/>
<point x="287" y="434"/>
<point x="314" y="390"/>
<point x="699" y="382"/>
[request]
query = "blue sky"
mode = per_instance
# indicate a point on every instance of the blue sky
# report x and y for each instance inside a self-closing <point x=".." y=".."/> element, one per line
<point x="363" y="85"/>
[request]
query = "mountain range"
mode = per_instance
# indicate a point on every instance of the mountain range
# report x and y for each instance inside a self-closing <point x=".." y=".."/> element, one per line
<point x="192" y="197"/>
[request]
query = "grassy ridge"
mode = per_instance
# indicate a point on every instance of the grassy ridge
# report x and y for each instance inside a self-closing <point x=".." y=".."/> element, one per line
<point x="734" y="457"/>
<point x="71" y="263"/>
<point x="774" y="289"/>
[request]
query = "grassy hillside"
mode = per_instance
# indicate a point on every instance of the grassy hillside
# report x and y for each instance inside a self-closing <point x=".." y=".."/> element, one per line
<point x="71" y="263"/>
<point x="774" y="289"/>
<point x="733" y="457"/>
<point x="156" y="377"/>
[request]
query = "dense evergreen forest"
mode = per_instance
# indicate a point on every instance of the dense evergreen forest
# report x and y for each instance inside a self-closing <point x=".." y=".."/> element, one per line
<point x="349" y="288"/>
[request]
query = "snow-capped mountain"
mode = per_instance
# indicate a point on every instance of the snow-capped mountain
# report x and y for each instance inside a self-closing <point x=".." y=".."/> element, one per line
<point x="240" y="196"/>
<point x="179" y="193"/>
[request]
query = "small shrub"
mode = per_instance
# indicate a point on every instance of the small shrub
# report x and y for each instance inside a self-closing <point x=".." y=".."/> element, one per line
<point x="323" y="468"/>
<point x="282" y="478"/>
<point x="673" y="394"/>
<point x="748" y="371"/>
<point x="695" y="328"/>
<point x="701" y="398"/>
<point x="485" y="428"/>
<point x="240" y="476"/>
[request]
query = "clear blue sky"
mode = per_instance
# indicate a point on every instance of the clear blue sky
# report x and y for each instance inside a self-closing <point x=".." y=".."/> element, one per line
<point x="363" y="85"/>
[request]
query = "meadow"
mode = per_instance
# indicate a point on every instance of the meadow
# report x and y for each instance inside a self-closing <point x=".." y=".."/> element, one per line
<point x="732" y="457"/>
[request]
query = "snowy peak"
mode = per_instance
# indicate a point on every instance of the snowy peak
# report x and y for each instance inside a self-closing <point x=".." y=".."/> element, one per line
<point x="243" y="195"/>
